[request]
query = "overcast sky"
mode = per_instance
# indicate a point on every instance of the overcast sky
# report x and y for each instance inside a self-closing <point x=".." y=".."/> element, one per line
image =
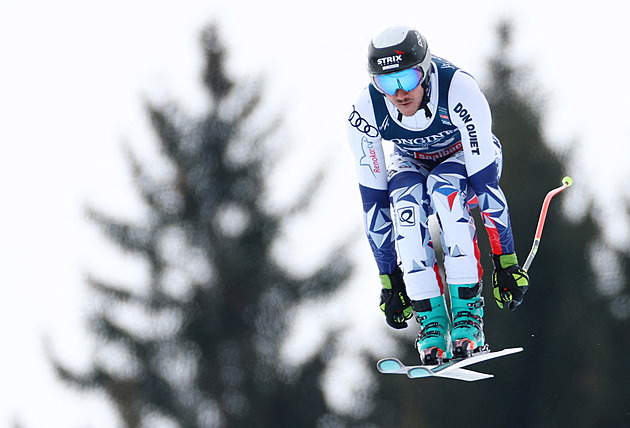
<point x="74" y="75"/>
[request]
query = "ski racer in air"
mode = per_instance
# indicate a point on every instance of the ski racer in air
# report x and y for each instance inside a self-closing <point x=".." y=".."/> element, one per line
<point x="444" y="161"/>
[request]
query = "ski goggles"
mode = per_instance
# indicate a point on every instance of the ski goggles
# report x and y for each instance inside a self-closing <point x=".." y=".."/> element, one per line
<point x="407" y="80"/>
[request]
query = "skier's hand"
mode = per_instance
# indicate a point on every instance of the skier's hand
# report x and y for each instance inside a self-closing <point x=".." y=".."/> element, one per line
<point x="510" y="281"/>
<point x="395" y="303"/>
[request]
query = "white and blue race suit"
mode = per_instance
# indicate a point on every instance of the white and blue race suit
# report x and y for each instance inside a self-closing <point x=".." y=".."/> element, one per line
<point x="444" y="159"/>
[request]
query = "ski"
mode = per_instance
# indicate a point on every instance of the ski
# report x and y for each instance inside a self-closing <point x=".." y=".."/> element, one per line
<point x="453" y="369"/>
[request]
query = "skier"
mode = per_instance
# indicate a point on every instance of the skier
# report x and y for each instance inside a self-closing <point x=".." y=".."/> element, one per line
<point x="444" y="161"/>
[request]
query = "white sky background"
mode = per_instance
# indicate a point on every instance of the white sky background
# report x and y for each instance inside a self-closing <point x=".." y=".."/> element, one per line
<point x="72" y="80"/>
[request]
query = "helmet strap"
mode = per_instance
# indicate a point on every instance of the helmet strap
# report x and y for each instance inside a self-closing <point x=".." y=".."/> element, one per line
<point x="425" y="100"/>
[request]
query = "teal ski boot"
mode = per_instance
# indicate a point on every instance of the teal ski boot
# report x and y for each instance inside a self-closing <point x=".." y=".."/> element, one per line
<point x="467" y="309"/>
<point x="433" y="342"/>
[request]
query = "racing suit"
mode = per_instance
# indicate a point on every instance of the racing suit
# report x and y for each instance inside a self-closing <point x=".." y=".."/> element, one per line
<point x="444" y="160"/>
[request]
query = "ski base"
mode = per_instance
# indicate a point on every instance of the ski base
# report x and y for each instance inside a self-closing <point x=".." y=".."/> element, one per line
<point x="452" y="369"/>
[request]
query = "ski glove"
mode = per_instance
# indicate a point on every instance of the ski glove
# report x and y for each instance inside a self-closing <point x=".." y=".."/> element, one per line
<point x="395" y="303"/>
<point x="510" y="281"/>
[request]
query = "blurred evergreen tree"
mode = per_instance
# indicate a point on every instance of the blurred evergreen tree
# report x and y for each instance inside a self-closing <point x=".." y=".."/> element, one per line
<point x="571" y="372"/>
<point x="199" y="346"/>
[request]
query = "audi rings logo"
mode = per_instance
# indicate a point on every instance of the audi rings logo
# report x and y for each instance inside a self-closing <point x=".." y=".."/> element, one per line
<point x="362" y="125"/>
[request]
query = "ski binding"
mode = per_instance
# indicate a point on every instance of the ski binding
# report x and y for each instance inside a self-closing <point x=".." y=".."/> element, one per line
<point x="452" y="369"/>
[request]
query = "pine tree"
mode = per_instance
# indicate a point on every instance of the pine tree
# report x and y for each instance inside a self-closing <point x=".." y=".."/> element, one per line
<point x="568" y="375"/>
<point x="200" y="344"/>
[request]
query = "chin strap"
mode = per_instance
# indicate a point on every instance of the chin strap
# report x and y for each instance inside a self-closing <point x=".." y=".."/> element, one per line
<point x="425" y="100"/>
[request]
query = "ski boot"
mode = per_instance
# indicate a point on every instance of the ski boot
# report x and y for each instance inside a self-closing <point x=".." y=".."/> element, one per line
<point x="433" y="342"/>
<point x="467" y="309"/>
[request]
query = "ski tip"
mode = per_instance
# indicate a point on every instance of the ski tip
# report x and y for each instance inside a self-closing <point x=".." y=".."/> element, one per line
<point x="419" y="372"/>
<point x="389" y="365"/>
<point x="509" y="351"/>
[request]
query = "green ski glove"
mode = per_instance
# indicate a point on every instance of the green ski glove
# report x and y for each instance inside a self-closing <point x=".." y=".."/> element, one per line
<point x="510" y="281"/>
<point x="395" y="303"/>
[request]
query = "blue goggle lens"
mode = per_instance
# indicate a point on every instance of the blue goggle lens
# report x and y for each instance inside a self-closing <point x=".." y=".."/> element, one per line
<point x="407" y="80"/>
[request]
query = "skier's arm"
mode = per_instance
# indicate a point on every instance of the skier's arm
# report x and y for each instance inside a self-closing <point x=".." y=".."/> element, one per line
<point x="369" y="158"/>
<point x="470" y="112"/>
